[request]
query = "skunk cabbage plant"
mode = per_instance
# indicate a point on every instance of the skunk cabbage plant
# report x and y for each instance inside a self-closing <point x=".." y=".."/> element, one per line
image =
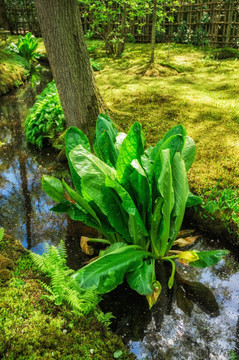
<point x="135" y="197"/>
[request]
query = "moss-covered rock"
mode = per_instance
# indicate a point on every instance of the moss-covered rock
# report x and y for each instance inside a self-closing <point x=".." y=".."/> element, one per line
<point x="13" y="71"/>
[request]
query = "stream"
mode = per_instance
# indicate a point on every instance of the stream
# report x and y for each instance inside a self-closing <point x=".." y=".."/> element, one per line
<point x="197" y="319"/>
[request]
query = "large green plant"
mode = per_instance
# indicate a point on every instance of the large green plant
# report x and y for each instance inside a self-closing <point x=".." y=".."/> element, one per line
<point x="135" y="197"/>
<point x="26" y="47"/>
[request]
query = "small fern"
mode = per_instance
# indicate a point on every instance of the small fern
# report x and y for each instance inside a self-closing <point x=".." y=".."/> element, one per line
<point x="62" y="288"/>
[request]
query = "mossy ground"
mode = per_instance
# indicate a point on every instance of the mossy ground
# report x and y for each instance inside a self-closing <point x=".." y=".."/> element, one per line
<point x="189" y="87"/>
<point x="14" y="70"/>
<point x="203" y="97"/>
<point x="32" y="328"/>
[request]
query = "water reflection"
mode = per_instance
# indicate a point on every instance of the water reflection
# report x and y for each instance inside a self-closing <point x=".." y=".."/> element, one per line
<point x="196" y="319"/>
<point x="24" y="207"/>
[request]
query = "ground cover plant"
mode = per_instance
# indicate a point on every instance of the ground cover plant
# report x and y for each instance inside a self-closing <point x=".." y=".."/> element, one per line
<point x="135" y="197"/>
<point x="33" y="327"/>
<point x="46" y="118"/>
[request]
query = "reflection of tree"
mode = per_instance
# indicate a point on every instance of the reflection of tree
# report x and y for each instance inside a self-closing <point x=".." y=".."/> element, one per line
<point x="24" y="206"/>
<point x="237" y="339"/>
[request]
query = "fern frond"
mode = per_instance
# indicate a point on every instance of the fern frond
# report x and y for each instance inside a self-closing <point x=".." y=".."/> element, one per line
<point x="62" y="286"/>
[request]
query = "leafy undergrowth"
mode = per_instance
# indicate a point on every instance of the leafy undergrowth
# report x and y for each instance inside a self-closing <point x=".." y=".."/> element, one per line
<point x="13" y="71"/>
<point x="33" y="328"/>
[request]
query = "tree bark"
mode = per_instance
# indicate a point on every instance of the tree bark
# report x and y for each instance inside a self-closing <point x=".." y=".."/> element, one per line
<point x="61" y="27"/>
<point x="153" y="35"/>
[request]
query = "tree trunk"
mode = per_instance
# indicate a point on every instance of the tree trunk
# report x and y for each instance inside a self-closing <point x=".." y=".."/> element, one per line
<point x="123" y="31"/>
<point x="61" y="28"/>
<point x="153" y="35"/>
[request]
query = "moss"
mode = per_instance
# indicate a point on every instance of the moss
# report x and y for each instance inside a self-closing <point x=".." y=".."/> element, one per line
<point x="33" y="328"/>
<point x="13" y="71"/>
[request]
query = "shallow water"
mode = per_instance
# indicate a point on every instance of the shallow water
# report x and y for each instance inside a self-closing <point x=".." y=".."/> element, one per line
<point x="197" y="319"/>
<point x="24" y="206"/>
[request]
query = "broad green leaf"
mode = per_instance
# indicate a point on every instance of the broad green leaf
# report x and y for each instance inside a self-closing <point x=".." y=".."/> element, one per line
<point x="80" y="201"/>
<point x="113" y="247"/>
<point x="166" y="191"/>
<point x="119" y="139"/>
<point x="62" y="207"/>
<point x="75" y="137"/>
<point x="156" y="224"/>
<point x="104" y="141"/>
<point x="92" y="172"/>
<point x="193" y="200"/>
<point x="147" y="164"/>
<point x="131" y="148"/>
<point x="180" y="186"/>
<point x="174" y="144"/>
<point x="104" y="123"/>
<point x="189" y="152"/>
<point x="53" y="187"/>
<point x="108" y="271"/>
<point x="176" y="130"/>
<point x="106" y="149"/>
<point x="140" y="279"/>
<point x="115" y="213"/>
<point x="141" y="191"/>
<point x="136" y="226"/>
<point x="209" y="258"/>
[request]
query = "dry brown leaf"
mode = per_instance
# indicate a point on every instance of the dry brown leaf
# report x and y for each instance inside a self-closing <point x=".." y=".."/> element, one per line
<point x="87" y="249"/>
<point x="185" y="241"/>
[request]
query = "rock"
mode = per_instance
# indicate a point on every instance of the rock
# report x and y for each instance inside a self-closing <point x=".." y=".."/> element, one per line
<point x="5" y="275"/>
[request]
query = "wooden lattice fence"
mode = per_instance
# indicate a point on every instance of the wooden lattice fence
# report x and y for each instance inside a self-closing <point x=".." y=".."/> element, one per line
<point x="214" y="22"/>
<point x="22" y="17"/>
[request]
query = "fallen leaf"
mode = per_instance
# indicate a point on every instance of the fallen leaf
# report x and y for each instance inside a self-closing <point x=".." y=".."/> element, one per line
<point x="185" y="241"/>
<point x="87" y="249"/>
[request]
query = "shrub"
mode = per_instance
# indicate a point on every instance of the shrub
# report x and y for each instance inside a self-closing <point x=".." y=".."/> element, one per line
<point x="135" y="197"/>
<point x="46" y="119"/>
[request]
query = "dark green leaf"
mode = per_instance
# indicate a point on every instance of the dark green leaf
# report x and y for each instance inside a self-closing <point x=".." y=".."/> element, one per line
<point x="136" y="226"/>
<point x="80" y="201"/>
<point x="188" y="152"/>
<point x="141" y="191"/>
<point x="176" y="130"/>
<point x="209" y="258"/>
<point x="140" y="279"/>
<point x="92" y="172"/>
<point x="53" y="187"/>
<point x="108" y="271"/>
<point x="193" y="200"/>
<point x="131" y="148"/>
<point x="166" y="191"/>
<point x="74" y="137"/>
<point x="180" y="186"/>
